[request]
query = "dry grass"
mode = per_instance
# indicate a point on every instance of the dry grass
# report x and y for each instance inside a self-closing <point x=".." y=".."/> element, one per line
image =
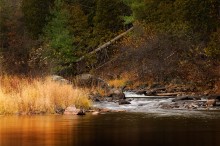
<point x="124" y="79"/>
<point x="118" y="82"/>
<point x="26" y="96"/>
<point x="130" y="80"/>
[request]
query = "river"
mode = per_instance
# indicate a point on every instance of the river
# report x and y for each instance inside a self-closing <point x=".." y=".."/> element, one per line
<point x="142" y="127"/>
<point x="110" y="129"/>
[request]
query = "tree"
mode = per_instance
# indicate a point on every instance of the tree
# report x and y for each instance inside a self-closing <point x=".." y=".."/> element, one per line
<point x="87" y="6"/>
<point x="186" y="17"/>
<point x="202" y="16"/>
<point x="3" y="18"/>
<point x="59" y="42"/>
<point x="14" y="49"/>
<point x="108" y="19"/>
<point x="89" y="9"/>
<point x="213" y="47"/>
<point x="36" y="13"/>
<point x="79" y="28"/>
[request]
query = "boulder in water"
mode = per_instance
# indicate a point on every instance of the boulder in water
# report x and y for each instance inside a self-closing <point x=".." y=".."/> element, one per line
<point x="140" y="92"/>
<point x="72" y="110"/>
<point x="116" y="94"/>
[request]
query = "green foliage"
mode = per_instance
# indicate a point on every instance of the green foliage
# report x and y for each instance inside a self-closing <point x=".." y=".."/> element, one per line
<point x="2" y="30"/>
<point x="128" y="19"/>
<point x="213" y="48"/>
<point x="79" y="28"/>
<point x="87" y="6"/>
<point x="128" y="2"/>
<point x="35" y="14"/>
<point x="5" y="12"/>
<point x="108" y="16"/>
<point x="193" y="21"/>
<point x="202" y="16"/>
<point x="72" y="28"/>
<point x="180" y="17"/>
<point x="59" y="42"/>
<point x="107" y="20"/>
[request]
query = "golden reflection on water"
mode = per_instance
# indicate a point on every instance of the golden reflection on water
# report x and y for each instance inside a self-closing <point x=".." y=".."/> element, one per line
<point x="116" y="129"/>
<point x="36" y="130"/>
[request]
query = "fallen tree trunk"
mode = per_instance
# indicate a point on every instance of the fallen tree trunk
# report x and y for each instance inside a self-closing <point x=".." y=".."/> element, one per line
<point x="167" y="94"/>
<point x="106" y="44"/>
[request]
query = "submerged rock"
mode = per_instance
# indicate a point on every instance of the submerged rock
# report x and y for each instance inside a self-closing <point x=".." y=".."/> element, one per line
<point x="166" y="106"/>
<point x="191" y="106"/>
<point x="210" y="102"/>
<point x="182" y="98"/>
<point x="104" y="110"/>
<point x="216" y="96"/>
<point x="81" y="112"/>
<point x="150" y="93"/>
<point x="95" y="113"/>
<point x="59" y="110"/>
<point x="123" y="101"/>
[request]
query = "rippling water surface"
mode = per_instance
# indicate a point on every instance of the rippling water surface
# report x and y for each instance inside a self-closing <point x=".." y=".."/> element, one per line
<point x="144" y="124"/>
<point x="112" y="129"/>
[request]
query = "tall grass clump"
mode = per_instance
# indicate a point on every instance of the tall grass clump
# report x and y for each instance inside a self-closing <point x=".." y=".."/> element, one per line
<point x="125" y="79"/>
<point x="117" y="82"/>
<point x="41" y="95"/>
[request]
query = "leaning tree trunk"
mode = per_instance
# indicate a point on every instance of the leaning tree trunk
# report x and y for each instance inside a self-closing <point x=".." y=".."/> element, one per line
<point x="106" y="44"/>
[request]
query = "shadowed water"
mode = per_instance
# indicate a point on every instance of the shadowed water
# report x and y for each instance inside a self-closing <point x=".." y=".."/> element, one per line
<point x="112" y="129"/>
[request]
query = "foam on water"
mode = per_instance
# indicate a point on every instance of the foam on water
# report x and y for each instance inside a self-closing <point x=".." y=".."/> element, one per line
<point x="132" y="94"/>
<point x="148" y="104"/>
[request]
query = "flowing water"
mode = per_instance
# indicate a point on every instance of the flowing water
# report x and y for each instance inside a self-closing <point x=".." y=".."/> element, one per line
<point x="144" y="125"/>
<point x="152" y="104"/>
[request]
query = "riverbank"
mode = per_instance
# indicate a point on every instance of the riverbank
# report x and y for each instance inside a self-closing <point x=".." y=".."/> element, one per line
<point x="21" y="95"/>
<point x="157" y="97"/>
<point x="88" y="93"/>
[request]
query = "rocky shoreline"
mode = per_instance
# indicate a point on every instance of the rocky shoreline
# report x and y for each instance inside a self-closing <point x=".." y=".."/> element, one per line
<point x="183" y="97"/>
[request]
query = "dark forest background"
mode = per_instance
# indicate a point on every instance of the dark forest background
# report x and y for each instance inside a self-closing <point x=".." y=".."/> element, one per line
<point x="171" y="38"/>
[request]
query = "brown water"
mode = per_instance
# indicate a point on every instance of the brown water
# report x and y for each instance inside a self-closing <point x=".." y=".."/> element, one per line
<point x="122" y="129"/>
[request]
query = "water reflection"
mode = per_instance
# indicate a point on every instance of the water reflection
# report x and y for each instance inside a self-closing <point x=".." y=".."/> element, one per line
<point x="36" y="130"/>
<point x="109" y="130"/>
<point x="133" y="130"/>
